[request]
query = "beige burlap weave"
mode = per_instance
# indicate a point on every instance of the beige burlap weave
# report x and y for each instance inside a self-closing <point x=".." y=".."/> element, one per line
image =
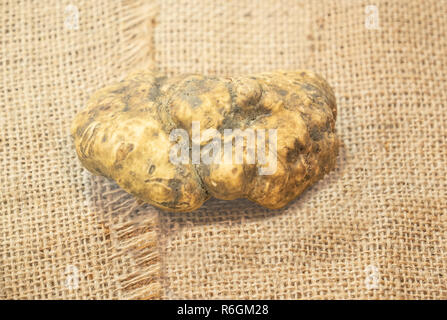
<point x="374" y="228"/>
<point x="64" y="233"/>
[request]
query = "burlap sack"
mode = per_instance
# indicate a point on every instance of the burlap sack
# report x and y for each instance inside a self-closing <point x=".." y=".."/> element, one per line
<point x="64" y="233"/>
<point x="374" y="228"/>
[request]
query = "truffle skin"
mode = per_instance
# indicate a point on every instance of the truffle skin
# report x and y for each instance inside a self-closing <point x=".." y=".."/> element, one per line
<point x="124" y="134"/>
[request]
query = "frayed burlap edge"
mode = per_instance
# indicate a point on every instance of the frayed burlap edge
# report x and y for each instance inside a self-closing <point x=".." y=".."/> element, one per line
<point x="133" y="233"/>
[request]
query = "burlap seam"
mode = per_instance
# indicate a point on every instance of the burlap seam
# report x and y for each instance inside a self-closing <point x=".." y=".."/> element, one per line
<point x="134" y="239"/>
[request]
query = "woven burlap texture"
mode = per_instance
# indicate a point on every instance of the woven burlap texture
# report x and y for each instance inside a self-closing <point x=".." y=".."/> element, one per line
<point x="373" y="228"/>
<point x="63" y="232"/>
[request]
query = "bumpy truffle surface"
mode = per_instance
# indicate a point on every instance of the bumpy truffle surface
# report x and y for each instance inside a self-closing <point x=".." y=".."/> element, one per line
<point x="125" y="134"/>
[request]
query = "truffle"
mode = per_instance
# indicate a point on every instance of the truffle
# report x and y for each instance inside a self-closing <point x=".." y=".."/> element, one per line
<point x="175" y="142"/>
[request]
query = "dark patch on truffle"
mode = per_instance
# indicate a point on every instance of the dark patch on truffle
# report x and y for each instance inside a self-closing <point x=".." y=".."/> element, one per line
<point x="93" y="112"/>
<point x="204" y="170"/>
<point x="125" y="99"/>
<point x="127" y="185"/>
<point x="309" y="87"/>
<point x="193" y="88"/>
<point x="123" y="151"/>
<point x="315" y="96"/>
<point x="282" y="92"/>
<point x="328" y="126"/>
<point x="175" y="184"/>
<point x="120" y="90"/>
<point x="193" y="100"/>
<point x="103" y="107"/>
<point x="315" y="134"/>
<point x="292" y="102"/>
<point x="293" y="154"/>
<point x="160" y="80"/>
<point x="151" y="169"/>
<point x="239" y="116"/>
<point x="155" y="91"/>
